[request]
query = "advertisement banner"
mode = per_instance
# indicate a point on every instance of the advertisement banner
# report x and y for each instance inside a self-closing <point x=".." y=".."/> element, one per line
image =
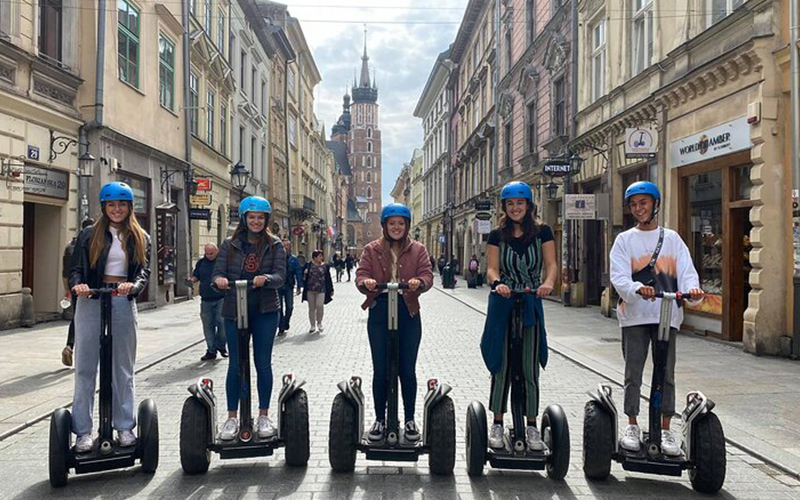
<point x="580" y="207"/>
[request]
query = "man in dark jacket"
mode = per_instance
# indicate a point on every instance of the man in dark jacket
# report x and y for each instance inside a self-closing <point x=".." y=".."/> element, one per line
<point x="294" y="278"/>
<point x="210" y="305"/>
<point x="349" y="262"/>
<point x="66" y="266"/>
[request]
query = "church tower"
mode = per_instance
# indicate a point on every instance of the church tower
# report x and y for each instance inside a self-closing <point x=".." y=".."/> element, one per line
<point x="359" y="128"/>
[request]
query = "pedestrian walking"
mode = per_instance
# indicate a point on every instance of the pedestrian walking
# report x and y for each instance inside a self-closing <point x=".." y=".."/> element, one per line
<point x="338" y="264"/>
<point x="254" y="254"/>
<point x="112" y="253"/>
<point x="318" y="290"/>
<point x="394" y="258"/>
<point x="518" y="251"/>
<point x="66" y="267"/>
<point x="349" y="263"/>
<point x="473" y="267"/>
<point x="210" y="304"/>
<point x="441" y="263"/>
<point x="647" y="259"/>
<point x="301" y="259"/>
<point x="294" y="278"/>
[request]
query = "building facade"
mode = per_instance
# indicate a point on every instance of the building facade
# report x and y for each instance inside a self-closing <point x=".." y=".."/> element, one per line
<point x="705" y="91"/>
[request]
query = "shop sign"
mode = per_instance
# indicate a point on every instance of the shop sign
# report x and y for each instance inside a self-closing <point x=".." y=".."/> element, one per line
<point x="441" y="239"/>
<point x="482" y="205"/>
<point x="199" y="214"/>
<point x="640" y="142"/>
<point x="46" y="182"/>
<point x="203" y="184"/>
<point x="483" y="216"/>
<point x="200" y="199"/>
<point x="580" y="207"/>
<point x="557" y="168"/>
<point x="718" y="141"/>
<point x="482" y="226"/>
<point x="298" y="231"/>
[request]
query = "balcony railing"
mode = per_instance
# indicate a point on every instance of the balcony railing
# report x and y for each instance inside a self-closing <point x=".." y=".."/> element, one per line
<point x="303" y="207"/>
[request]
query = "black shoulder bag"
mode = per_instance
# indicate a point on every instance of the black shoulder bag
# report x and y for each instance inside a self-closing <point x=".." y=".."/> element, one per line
<point x="647" y="275"/>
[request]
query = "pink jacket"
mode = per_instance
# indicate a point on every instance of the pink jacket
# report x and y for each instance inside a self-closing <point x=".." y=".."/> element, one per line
<point x="413" y="262"/>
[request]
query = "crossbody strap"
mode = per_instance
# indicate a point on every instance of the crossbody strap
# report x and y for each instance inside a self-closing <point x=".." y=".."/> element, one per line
<point x="657" y="251"/>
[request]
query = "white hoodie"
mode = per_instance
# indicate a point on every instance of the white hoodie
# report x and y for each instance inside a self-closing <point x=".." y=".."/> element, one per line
<point x="675" y="271"/>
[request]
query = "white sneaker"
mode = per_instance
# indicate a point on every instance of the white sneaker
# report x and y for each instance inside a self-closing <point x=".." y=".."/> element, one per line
<point x="312" y="329"/>
<point x="229" y="429"/>
<point x="533" y="438"/>
<point x="84" y="443"/>
<point x="320" y="329"/>
<point x="669" y="445"/>
<point x="126" y="438"/>
<point x="496" y="437"/>
<point x="265" y="428"/>
<point x="632" y="438"/>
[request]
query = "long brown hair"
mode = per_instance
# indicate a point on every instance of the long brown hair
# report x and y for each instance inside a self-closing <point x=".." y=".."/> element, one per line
<point x="529" y="224"/>
<point x="130" y="228"/>
<point x="263" y="237"/>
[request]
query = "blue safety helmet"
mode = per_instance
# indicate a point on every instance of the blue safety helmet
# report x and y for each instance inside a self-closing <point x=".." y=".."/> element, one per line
<point x="116" y="191"/>
<point x="254" y="204"/>
<point x="516" y="189"/>
<point x="642" y="187"/>
<point x="395" y="209"/>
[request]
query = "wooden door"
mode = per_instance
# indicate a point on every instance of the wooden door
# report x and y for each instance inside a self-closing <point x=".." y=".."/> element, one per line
<point x="28" y="243"/>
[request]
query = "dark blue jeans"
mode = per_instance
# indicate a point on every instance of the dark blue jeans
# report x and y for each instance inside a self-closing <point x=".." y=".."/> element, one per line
<point x="286" y="296"/>
<point x="262" y="329"/>
<point x="410" y="336"/>
<point x="213" y="324"/>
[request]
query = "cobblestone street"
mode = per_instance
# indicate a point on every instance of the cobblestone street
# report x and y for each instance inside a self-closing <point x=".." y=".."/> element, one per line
<point x="451" y="333"/>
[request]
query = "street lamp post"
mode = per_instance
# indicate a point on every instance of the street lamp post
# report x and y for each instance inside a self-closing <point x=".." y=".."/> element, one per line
<point x="239" y="178"/>
<point x="575" y="167"/>
<point x="85" y="171"/>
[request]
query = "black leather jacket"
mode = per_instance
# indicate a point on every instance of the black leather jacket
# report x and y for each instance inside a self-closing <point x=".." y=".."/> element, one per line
<point x="83" y="272"/>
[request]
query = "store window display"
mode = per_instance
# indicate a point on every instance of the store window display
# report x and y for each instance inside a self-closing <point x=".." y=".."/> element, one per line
<point x="706" y="243"/>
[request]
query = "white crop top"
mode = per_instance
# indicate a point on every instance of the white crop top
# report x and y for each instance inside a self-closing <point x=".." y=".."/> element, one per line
<point x="117" y="262"/>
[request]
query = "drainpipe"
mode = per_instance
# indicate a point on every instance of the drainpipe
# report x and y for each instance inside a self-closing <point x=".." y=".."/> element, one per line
<point x="795" y="130"/>
<point x="573" y="134"/>
<point x="97" y="123"/>
<point x="286" y="146"/>
<point x="188" y="176"/>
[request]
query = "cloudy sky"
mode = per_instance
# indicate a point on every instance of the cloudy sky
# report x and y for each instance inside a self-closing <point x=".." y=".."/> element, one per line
<point x="403" y="40"/>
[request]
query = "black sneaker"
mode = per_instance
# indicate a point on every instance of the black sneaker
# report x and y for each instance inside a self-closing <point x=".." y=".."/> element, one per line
<point x="281" y="332"/>
<point x="376" y="432"/>
<point x="411" y="432"/>
<point x="223" y="352"/>
<point x="208" y="356"/>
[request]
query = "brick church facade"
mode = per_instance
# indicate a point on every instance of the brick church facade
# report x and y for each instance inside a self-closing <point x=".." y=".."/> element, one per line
<point x="359" y="128"/>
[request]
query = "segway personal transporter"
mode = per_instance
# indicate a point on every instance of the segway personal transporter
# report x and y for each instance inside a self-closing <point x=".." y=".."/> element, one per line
<point x="347" y="434"/>
<point x="199" y="417"/>
<point x="703" y="448"/>
<point x="554" y="458"/>
<point x="106" y="454"/>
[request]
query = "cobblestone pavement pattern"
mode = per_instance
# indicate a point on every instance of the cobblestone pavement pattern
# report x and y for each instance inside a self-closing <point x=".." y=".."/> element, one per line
<point x="451" y="332"/>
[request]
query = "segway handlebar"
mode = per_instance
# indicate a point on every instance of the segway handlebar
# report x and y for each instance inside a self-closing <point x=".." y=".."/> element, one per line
<point x="389" y="286"/>
<point x="215" y="287"/>
<point x="109" y="289"/>
<point x="520" y="293"/>
<point x="676" y="296"/>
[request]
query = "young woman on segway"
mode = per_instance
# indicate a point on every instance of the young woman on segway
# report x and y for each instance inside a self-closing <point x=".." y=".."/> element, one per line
<point x="517" y="253"/>
<point x="252" y="253"/>
<point x="115" y="250"/>
<point x="394" y="258"/>
<point x="644" y="260"/>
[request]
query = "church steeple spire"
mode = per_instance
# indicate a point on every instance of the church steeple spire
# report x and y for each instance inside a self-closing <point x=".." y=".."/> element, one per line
<point x="364" y="82"/>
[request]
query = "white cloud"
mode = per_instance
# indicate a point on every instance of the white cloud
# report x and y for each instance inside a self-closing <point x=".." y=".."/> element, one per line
<point x="404" y="38"/>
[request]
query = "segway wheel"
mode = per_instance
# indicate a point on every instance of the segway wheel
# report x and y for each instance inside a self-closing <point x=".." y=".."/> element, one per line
<point x="442" y="437"/>
<point x="598" y="441"/>
<point x="294" y="423"/>
<point x="554" y="425"/>
<point x="194" y="440"/>
<point x="342" y="439"/>
<point x="477" y="439"/>
<point x="60" y="430"/>
<point x="148" y="435"/>
<point x="708" y="452"/>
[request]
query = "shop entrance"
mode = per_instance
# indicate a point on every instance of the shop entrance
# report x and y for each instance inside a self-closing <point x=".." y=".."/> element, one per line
<point x="41" y="254"/>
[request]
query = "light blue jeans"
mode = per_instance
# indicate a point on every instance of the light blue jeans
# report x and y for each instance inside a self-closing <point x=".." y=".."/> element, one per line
<point x="87" y="357"/>
<point x="213" y="324"/>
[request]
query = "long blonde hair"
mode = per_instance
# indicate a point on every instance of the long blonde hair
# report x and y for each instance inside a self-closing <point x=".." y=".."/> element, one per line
<point x="130" y="228"/>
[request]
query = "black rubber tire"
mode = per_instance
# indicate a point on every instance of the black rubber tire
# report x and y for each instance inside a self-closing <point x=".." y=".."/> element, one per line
<point x="148" y="435"/>
<point x="294" y="422"/>
<point x="476" y="439"/>
<point x="598" y="441"/>
<point x="442" y="437"/>
<point x="58" y="462"/>
<point x="708" y="454"/>
<point x="342" y="438"/>
<point x="555" y="419"/>
<point x="195" y="455"/>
